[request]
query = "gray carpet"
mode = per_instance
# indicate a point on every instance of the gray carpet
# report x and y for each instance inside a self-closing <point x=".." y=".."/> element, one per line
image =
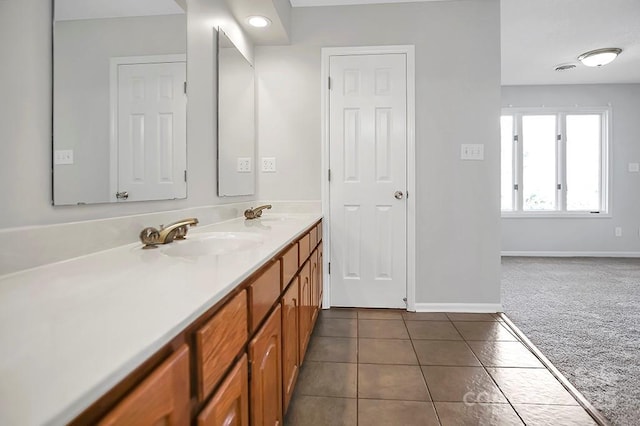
<point x="584" y="315"/>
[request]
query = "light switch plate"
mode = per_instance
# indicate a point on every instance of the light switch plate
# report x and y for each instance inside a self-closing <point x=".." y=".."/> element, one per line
<point x="470" y="151"/>
<point x="63" y="156"/>
<point x="634" y="167"/>
<point x="269" y="164"/>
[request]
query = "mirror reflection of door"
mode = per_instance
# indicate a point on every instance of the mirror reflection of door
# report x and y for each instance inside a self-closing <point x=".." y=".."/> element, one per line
<point x="150" y="138"/>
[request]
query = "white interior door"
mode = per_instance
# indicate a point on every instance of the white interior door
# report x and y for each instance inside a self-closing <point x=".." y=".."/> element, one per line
<point x="152" y="131"/>
<point x="368" y="145"/>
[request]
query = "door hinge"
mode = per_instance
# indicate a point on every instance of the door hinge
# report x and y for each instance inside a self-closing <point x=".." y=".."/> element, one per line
<point x="515" y="187"/>
<point x="559" y="186"/>
<point x="185" y="175"/>
<point x="406" y="194"/>
<point x="329" y="83"/>
<point x="515" y="138"/>
<point x="329" y="268"/>
<point x="329" y="175"/>
<point x="559" y="137"/>
<point x="185" y="87"/>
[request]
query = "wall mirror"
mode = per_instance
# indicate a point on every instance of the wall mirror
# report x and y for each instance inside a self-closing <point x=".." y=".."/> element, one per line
<point x="236" y="126"/>
<point x="119" y="100"/>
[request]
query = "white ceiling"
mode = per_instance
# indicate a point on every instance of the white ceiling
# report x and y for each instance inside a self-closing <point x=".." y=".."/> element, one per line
<point x="538" y="35"/>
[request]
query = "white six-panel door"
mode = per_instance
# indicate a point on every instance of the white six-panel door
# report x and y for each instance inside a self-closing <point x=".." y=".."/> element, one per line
<point x="367" y="192"/>
<point x="152" y="131"/>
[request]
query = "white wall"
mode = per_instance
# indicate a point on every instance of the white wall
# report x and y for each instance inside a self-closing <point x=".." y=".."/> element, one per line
<point x="457" y="101"/>
<point x="25" y="115"/>
<point x="589" y="235"/>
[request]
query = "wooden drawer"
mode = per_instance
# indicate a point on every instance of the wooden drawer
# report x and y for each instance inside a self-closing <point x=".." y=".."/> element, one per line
<point x="263" y="293"/>
<point x="230" y="404"/>
<point x="162" y="398"/>
<point x="313" y="238"/>
<point x="289" y="265"/>
<point x="219" y="341"/>
<point x="304" y="249"/>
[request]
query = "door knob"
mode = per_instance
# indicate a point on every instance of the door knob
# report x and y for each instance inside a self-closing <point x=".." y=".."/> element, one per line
<point x="398" y="195"/>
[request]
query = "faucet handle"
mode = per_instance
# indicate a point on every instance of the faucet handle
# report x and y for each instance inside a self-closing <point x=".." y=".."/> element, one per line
<point x="150" y="237"/>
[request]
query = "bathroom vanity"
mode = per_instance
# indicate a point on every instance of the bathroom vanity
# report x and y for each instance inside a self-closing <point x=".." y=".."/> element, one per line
<point x="210" y="330"/>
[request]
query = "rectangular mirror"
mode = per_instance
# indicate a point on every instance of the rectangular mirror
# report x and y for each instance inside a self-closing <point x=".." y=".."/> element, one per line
<point x="119" y="101"/>
<point x="236" y="126"/>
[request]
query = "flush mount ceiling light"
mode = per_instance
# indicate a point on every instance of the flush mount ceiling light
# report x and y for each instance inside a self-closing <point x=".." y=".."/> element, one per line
<point x="565" y="67"/>
<point x="258" y="21"/>
<point x="599" y="57"/>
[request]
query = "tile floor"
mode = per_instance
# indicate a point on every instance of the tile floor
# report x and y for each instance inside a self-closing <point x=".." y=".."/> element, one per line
<point x="388" y="367"/>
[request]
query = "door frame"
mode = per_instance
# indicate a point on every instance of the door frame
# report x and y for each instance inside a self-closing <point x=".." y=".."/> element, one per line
<point x="409" y="51"/>
<point x="114" y="62"/>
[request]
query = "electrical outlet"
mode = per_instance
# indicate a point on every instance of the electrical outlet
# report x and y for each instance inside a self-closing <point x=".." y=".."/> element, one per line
<point x="618" y="231"/>
<point x="472" y="151"/>
<point x="63" y="156"/>
<point x="268" y="164"/>
<point x="244" y="165"/>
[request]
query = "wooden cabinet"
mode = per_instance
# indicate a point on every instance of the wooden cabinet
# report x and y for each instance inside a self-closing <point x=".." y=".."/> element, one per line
<point x="289" y="265"/>
<point x="246" y="353"/>
<point x="264" y="291"/>
<point x="265" y="355"/>
<point x="162" y="398"/>
<point x="290" y="347"/>
<point x="230" y="404"/>
<point x="304" y="312"/>
<point x="320" y="273"/>
<point x="219" y="342"/>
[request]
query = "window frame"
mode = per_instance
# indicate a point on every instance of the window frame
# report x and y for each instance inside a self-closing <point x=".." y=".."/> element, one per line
<point x="561" y="211"/>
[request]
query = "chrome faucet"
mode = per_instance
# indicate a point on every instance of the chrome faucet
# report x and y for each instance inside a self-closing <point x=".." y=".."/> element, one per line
<point x="151" y="237"/>
<point x="255" y="213"/>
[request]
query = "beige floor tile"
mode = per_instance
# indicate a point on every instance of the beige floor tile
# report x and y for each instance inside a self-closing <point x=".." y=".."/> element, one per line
<point x="400" y="382"/>
<point x="386" y="351"/>
<point x="504" y="354"/>
<point x="336" y="327"/>
<point x="425" y="316"/>
<point x="544" y="415"/>
<point x="382" y="329"/>
<point x="471" y="317"/>
<point x="444" y="352"/>
<point x="395" y="413"/>
<point x="484" y="330"/>
<point x="531" y="386"/>
<point x="321" y="411"/>
<point x="462" y="384"/>
<point x="432" y="330"/>
<point x="380" y="314"/>
<point x="339" y="313"/>
<point x="332" y="349"/>
<point x="460" y="414"/>
<point x="327" y="379"/>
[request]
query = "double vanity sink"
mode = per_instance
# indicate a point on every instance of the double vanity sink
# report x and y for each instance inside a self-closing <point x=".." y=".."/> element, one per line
<point x="71" y="331"/>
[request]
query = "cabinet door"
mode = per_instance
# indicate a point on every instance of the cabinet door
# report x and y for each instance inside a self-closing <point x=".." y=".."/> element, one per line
<point x="315" y="287"/>
<point x="290" y="330"/>
<point x="304" y="312"/>
<point x="162" y="398"/>
<point x="230" y="404"/>
<point x="265" y="354"/>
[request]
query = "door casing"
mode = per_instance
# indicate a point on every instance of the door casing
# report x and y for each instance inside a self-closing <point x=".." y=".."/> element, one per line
<point x="409" y="51"/>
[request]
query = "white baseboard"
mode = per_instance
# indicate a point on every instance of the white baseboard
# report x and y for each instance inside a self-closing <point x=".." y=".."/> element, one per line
<point x="571" y="253"/>
<point x="482" y="308"/>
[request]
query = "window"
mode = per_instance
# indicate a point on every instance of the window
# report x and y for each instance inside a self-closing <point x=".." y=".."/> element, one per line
<point x="554" y="161"/>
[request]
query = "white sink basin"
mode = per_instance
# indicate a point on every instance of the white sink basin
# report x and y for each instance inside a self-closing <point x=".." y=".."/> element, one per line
<point x="213" y="243"/>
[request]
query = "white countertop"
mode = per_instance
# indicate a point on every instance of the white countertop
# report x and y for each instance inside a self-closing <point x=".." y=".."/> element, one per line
<point x="70" y="331"/>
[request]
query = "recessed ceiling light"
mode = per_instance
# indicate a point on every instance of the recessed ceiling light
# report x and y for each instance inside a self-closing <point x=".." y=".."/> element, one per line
<point x="599" y="57"/>
<point x="565" y="67"/>
<point x="258" y="21"/>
